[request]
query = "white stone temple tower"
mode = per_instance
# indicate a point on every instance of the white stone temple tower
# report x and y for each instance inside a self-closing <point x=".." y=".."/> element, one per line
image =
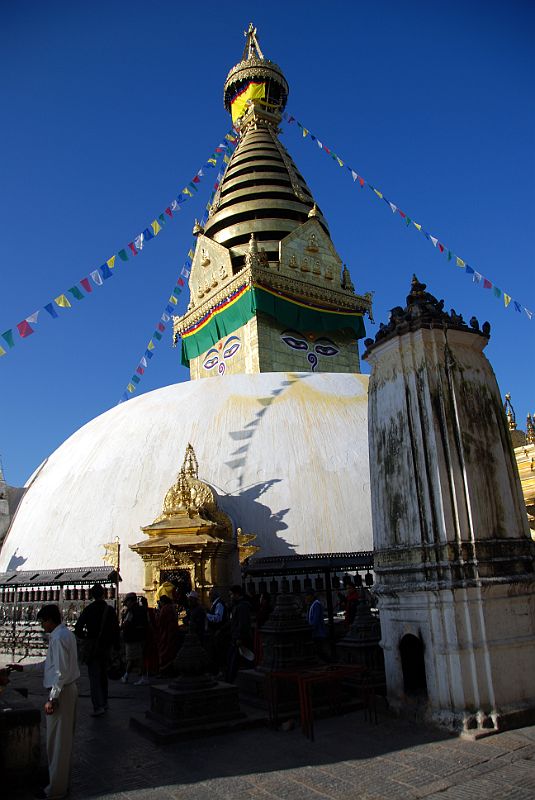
<point x="454" y="559"/>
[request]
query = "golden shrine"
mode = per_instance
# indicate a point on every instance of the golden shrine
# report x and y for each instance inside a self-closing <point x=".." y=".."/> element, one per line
<point x="192" y="541"/>
<point x="524" y="448"/>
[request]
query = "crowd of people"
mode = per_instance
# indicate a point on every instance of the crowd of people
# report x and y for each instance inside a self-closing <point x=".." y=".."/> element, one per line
<point x="144" y="642"/>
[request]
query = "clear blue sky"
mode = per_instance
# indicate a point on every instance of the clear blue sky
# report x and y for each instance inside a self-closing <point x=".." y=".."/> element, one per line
<point x="109" y="109"/>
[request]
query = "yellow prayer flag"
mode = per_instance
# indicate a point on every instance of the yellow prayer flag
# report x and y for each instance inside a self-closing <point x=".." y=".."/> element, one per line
<point x="173" y="300"/>
<point x="187" y="191"/>
<point x="340" y="162"/>
<point x="62" y="301"/>
<point x="459" y="262"/>
<point x="417" y="225"/>
<point x="255" y="90"/>
<point x="131" y="388"/>
<point x="226" y="159"/>
<point x="305" y="132"/>
<point x="2" y="352"/>
<point x="150" y="345"/>
<point x="156" y="227"/>
<point x="190" y="253"/>
<point x="506" y="299"/>
<point x="111" y="262"/>
<point x="378" y="193"/>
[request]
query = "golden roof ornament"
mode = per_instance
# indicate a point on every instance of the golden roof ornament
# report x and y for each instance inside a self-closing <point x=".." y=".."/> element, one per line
<point x="510" y="412"/>
<point x="347" y="283"/>
<point x="314" y="212"/>
<point x="197" y="228"/>
<point x="530" y="430"/>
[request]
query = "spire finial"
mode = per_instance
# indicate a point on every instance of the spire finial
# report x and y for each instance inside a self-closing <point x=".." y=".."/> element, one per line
<point x="510" y="412"/>
<point x="252" y="48"/>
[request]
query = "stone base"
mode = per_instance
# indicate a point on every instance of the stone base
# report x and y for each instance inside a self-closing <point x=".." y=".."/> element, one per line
<point x="19" y="738"/>
<point x="175" y="712"/>
<point x="467" y="724"/>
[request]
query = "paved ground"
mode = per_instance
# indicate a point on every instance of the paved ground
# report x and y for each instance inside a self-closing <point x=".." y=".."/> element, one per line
<point x="350" y="758"/>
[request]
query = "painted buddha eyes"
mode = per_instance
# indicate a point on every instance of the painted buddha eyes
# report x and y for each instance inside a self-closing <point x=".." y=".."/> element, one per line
<point x="211" y="359"/>
<point x="325" y="347"/>
<point x="321" y="346"/>
<point x="227" y="350"/>
<point x="231" y="347"/>
<point x="294" y="340"/>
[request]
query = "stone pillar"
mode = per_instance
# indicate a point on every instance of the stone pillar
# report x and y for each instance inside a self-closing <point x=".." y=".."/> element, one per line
<point x="453" y="556"/>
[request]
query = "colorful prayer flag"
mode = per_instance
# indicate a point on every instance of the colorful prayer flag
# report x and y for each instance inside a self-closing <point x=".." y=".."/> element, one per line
<point x="132" y="247"/>
<point x="487" y="284"/>
<point x="51" y="310"/>
<point x="62" y="301"/>
<point x="123" y="255"/>
<point x="150" y="345"/>
<point x="24" y="329"/>
<point x="76" y="293"/>
<point x="33" y="317"/>
<point x="7" y="336"/>
<point x="131" y="388"/>
<point x="459" y="262"/>
<point x="156" y="227"/>
<point x="157" y="335"/>
<point x="506" y="299"/>
<point x="417" y="225"/>
<point x="97" y="277"/>
<point x="2" y="351"/>
<point x="111" y="262"/>
<point x="87" y="286"/>
<point x="105" y="271"/>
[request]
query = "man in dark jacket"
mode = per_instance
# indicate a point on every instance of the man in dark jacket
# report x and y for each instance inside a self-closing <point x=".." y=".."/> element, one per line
<point x="98" y="628"/>
<point x="241" y="633"/>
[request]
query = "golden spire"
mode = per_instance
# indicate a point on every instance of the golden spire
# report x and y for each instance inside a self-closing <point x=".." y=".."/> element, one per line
<point x="510" y="412"/>
<point x="530" y="430"/>
<point x="252" y="48"/>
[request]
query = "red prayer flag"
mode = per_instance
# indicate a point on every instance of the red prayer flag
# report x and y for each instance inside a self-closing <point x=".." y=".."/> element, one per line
<point x="196" y="179"/>
<point x="327" y="150"/>
<point x="361" y="181"/>
<point x="168" y="212"/>
<point x="487" y="284"/>
<point x="440" y="247"/>
<point x="400" y="212"/>
<point x="161" y="326"/>
<point x="87" y="286"/>
<point x="132" y="247"/>
<point x="25" y="329"/>
<point x="181" y="282"/>
<point x="140" y="370"/>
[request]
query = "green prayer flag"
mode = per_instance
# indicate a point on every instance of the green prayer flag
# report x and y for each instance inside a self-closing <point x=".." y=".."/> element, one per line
<point x="76" y="293"/>
<point x="7" y="336"/>
<point x="161" y="217"/>
<point x="122" y="255"/>
<point x="157" y="335"/>
<point x="449" y="255"/>
<point x="135" y="378"/>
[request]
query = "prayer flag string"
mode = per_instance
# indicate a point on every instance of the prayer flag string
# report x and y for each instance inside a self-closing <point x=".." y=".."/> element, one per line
<point x="100" y="275"/>
<point x="172" y="300"/>
<point x="477" y="277"/>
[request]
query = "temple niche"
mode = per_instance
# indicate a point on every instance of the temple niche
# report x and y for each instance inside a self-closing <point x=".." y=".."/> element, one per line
<point x="192" y="541"/>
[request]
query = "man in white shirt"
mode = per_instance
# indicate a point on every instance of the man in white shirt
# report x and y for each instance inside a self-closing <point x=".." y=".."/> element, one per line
<point x="60" y="675"/>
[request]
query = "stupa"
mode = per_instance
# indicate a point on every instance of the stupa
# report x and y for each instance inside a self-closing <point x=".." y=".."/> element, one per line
<point x="280" y="427"/>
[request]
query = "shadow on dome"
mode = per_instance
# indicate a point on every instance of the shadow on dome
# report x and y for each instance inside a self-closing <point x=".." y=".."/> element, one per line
<point x="254" y="517"/>
<point x="15" y="562"/>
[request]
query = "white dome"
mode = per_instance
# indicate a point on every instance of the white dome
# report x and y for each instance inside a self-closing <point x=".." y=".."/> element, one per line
<point x="286" y="453"/>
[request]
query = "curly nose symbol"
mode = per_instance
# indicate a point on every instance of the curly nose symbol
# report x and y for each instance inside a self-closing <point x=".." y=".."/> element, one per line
<point x="312" y="360"/>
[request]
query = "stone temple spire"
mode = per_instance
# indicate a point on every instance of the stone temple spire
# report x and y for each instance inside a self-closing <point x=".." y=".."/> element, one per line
<point x="266" y="282"/>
